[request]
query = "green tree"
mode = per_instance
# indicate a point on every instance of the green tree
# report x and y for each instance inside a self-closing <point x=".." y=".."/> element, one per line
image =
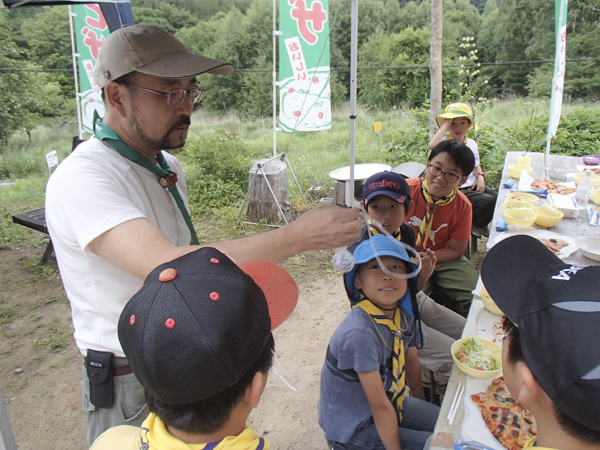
<point x="49" y="45"/>
<point x="26" y="96"/>
<point x="169" y="17"/>
<point x="386" y="88"/>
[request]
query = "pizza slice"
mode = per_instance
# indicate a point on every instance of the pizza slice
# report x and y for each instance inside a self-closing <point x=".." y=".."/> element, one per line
<point x="554" y="244"/>
<point x="506" y="419"/>
<point x="552" y="187"/>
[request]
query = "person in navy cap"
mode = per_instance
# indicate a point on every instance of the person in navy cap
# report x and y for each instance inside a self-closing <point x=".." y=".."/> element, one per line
<point x="551" y="350"/>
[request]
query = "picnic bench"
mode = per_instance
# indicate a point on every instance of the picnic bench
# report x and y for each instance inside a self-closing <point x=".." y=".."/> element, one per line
<point x="36" y="219"/>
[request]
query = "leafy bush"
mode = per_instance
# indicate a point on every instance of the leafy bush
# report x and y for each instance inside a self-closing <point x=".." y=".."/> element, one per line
<point x="578" y="133"/>
<point x="217" y="166"/>
<point x="411" y="143"/>
<point x="492" y="152"/>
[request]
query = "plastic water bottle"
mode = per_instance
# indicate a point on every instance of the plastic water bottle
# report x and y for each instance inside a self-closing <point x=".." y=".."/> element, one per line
<point x="584" y="189"/>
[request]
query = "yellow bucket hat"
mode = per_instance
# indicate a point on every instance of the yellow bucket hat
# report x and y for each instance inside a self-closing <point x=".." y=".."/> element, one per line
<point x="455" y="110"/>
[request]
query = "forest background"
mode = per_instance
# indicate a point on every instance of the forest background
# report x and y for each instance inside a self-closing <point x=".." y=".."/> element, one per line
<point x="497" y="54"/>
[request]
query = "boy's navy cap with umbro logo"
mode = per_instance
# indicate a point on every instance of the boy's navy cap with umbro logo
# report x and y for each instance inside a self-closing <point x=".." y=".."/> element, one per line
<point x="556" y="307"/>
<point x="390" y="184"/>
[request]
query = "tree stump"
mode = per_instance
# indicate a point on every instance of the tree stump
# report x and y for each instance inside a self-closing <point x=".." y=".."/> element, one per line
<point x="261" y="204"/>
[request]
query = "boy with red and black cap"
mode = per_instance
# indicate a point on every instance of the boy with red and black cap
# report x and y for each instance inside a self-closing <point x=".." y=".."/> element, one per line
<point x="198" y="338"/>
<point x="551" y="352"/>
<point x="387" y="198"/>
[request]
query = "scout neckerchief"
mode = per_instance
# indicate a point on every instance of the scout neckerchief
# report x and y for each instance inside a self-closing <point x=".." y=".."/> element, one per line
<point x="167" y="178"/>
<point x="155" y="436"/>
<point x="430" y="208"/>
<point x="395" y="326"/>
<point x="395" y="234"/>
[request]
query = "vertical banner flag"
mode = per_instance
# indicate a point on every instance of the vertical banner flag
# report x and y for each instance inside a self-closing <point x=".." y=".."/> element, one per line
<point x="558" y="80"/>
<point x="304" y="92"/>
<point x="91" y="31"/>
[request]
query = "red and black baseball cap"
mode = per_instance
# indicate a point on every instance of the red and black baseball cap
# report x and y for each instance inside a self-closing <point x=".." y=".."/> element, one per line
<point x="199" y="322"/>
<point x="556" y="307"/>
<point x="390" y="184"/>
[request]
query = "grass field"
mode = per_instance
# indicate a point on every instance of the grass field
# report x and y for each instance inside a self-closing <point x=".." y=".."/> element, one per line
<point x="311" y="155"/>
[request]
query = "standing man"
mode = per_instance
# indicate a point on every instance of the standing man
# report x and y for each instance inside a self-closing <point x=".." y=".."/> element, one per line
<point x="117" y="208"/>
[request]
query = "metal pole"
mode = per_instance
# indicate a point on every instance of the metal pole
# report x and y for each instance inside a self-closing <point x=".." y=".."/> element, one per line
<point x="274" y="78"/>
<point x="74" y="57"/>
<point x="349" y="197"/>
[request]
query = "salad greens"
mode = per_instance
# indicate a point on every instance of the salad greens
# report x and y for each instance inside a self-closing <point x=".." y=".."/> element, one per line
<point x="473" y="354"/>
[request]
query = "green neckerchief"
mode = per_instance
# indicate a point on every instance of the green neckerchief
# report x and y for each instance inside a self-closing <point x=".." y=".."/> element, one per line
<point x="167" y="177"/>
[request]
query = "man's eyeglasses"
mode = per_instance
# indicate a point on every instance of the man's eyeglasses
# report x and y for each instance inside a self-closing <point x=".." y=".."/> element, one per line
<point x="436" y="172"/>
<point x="176" y="96"/>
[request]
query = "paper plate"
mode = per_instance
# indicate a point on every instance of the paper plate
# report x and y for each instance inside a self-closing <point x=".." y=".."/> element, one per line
<point x="534" y="232"/>
<point x="589" y="246"/>
<point x="361" y="171"/>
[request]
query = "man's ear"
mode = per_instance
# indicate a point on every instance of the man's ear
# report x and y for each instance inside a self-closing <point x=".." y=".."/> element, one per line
<point x="256" y="389"/>
<point x="115" y="96"/>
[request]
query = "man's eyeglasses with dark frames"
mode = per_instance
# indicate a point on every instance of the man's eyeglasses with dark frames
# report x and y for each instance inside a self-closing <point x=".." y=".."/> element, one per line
<point x="436" y="172"/>
<point x="176" y="96"/>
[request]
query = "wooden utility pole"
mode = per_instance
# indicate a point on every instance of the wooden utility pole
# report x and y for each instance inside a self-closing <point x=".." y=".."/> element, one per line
<point x="435" y="64"/>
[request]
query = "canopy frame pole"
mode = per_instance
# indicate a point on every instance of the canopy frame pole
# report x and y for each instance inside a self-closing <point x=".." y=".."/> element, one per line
<point x="75" y="72"/>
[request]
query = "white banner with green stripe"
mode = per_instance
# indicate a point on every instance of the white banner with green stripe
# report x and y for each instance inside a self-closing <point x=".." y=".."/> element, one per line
<point x="304" y="91"/>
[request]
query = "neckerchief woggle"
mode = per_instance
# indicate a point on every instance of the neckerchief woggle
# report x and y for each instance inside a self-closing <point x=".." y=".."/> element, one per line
<point x="398" y="370"/>
<point x="164" y="172"/>
<point x="423" y="235"/>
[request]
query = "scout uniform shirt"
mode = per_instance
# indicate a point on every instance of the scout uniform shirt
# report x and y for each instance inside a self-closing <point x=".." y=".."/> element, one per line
<point x="153" y="435"/>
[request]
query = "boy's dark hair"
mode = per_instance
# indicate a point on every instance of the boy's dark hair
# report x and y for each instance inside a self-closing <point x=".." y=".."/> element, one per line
<point x="211" y="414"/>
<point x="460" y="155"/>
<point x="514" y="355"/>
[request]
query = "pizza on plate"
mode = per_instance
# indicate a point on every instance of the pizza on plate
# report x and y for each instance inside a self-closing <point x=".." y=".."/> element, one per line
<point x="551" y="187"/>
<point x="508" y="421"/>
<point x="594" y="170"/>
<point x="554" y="244"/>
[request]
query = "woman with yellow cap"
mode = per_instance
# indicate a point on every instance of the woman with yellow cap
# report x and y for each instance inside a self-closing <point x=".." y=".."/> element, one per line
<point x="457" y="119"/>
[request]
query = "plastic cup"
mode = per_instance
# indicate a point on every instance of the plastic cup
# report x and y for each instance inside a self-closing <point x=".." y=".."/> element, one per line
<point x="524" y="160"/>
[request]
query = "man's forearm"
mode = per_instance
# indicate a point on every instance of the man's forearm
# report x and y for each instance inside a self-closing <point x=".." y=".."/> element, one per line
<point x="138" y="246"/>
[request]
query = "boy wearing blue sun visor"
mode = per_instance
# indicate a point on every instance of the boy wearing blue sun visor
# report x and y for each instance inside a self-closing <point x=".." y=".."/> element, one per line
<point x="371" y="358"/>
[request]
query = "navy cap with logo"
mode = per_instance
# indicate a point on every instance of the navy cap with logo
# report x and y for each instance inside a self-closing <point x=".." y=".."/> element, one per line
<point x="556" y="307"/>
<point x="199" y="322"/>
<point x="390" y="184"/>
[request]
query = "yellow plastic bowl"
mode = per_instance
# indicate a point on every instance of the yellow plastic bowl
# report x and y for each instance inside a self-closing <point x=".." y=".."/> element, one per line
<point x="595" y="196"/>
<point x="481" y="374"/>
<point x="515" y="170"/>
<point x="595" y="179"/>
<point x="524" y="161"/>
<point x="522" y="197"/>
<point x="547" y="221"/>
<point x="489" y="304"/>
<point x="523" y="217"/>
<point x="516" y="205"/>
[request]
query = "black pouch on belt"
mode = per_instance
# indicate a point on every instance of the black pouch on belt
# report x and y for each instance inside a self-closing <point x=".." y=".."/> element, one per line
<point x="99" y="366"/>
